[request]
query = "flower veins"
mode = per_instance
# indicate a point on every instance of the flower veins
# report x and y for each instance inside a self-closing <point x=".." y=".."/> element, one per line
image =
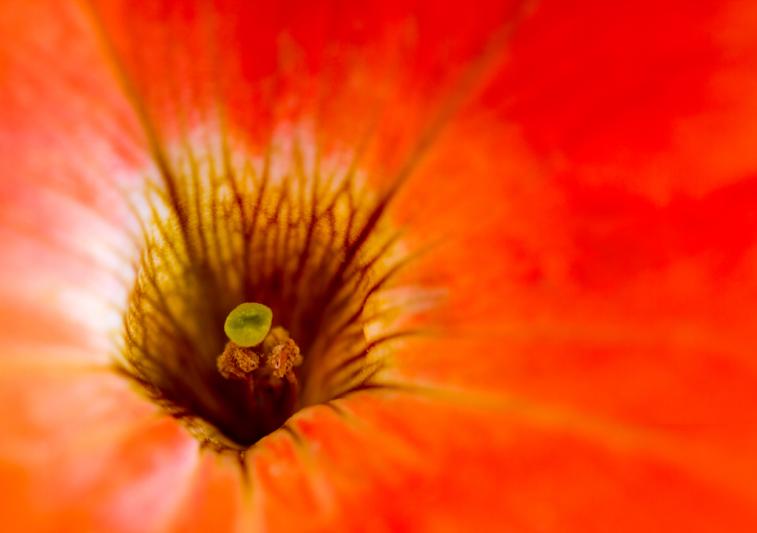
<point x="304" y="238"/>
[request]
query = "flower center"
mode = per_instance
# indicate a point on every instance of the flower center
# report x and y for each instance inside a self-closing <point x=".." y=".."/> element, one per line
<point x="294" y="233"/>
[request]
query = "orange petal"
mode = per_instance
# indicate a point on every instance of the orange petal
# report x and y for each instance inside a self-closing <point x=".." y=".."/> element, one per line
<point x="598" y="251"/>
<point x="445" y="463"/>
<point x="216" y="498"/>
<point x="69" y="144"/>
<point x="83" y="452"/>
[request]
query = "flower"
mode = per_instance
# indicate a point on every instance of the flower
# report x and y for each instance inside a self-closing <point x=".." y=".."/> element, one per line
<point x="581" y="174"/>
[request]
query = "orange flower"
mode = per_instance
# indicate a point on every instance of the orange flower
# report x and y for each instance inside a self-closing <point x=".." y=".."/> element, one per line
<point x="567" y="188"/>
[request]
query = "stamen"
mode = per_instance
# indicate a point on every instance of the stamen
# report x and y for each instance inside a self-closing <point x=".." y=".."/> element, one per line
<point x="237" y="362"/>
<point x="283" y="358"/>
<point x="278" y="351"/>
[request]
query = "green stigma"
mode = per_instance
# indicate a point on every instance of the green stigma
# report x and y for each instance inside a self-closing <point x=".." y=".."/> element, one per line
<point x="248" y="324"/>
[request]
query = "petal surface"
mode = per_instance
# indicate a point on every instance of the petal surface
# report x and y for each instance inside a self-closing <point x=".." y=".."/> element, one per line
<point x="589" y="175"/>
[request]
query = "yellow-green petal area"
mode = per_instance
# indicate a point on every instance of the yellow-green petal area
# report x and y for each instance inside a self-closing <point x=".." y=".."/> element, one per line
<point x="248" y="324"/>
